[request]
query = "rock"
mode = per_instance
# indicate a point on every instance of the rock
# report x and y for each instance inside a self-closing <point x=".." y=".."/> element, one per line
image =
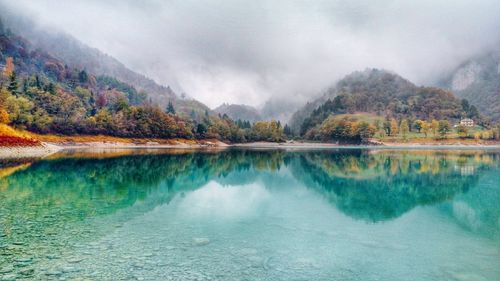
<point x="51" y="257"/>
<point x="201" y="241"/>
<point x="68" y="269"/>
<point x="6" y="269"/>
<point x="248" y="251"/>
<point x="22" y="264"/>
<point x="53" y="273"/>
<point x="75" y="260"/>
<point x="27" y="271"/>
<point x="9" y="277"/>
<point x="25" y="260"/>
<point x="255" y="261"/>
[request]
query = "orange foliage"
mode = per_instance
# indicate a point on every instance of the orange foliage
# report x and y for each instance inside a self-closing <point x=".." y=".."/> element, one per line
<point x="9" y="67"/>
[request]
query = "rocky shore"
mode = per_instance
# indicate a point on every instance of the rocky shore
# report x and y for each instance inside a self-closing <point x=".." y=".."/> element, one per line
<point x="36" y="151"/>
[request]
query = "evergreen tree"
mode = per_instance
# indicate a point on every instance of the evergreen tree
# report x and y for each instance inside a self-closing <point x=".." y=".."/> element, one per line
<point x="12" y="87"/>
<point x="38" y="84"/>
<point x="25" y="86"/>
<point x="170" y="108"/>
<point x="83" y="76"/>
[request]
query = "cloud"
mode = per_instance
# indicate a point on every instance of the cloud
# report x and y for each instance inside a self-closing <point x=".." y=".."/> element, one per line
<point x="250" y="51"/>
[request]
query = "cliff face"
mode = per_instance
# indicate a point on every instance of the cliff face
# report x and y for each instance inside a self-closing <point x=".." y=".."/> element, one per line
<point x="478" y="80"/>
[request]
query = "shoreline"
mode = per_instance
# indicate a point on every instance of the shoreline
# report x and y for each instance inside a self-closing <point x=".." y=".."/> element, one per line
<point x="48" y="148"/>
<point x="38" y="151"/>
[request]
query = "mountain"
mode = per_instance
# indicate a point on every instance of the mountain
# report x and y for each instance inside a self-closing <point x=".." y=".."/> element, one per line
<point x="478" y="80"/>
<point x="382" y="93"/>
<point x="239" y="112"/>
<point x="41" y="93"/>
<point x="78" y="55"/>
<point x="279" y="109"/>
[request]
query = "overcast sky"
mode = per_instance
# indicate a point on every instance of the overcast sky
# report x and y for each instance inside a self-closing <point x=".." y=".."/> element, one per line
<point x="248" y="51"/>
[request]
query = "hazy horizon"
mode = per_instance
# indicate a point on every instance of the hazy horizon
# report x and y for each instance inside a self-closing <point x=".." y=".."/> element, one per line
<point x="248" y="53"/>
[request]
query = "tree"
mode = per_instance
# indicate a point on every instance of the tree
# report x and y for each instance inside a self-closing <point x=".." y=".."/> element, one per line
<point x="9" y="67"/>
<point x="404" y="128"/>
<point x="434" y="127"/>
<point x="462" y="131"/>
<point x="473" y="112"/>
<point x="287" y="130"/>
<point x="444" y="127"/>
<point x="201" y="129"/>
<point x="365" y="130"/>
<point x="25" y="86"/>
<point x="394" y="127"/>
<point x="12" y="87"/>
<point x="465" y="107"/>
<point x="192" y="115"/>
<point x="425" y="128"/>
<point x="83" y="76"/>
<point x="170" y="108"/>
<point x="387" y="126"/>
<point x="418" y="124"/>
<point x="4" y="116"/>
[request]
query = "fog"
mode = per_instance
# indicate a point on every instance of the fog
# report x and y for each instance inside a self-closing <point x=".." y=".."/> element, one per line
<point x="250" y="51"/>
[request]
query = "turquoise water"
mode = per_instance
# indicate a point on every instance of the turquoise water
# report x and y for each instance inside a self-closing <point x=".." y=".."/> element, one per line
<point x="348" y="214"/>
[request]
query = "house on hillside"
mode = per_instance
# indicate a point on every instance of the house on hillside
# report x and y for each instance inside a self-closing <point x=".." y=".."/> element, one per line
<point x="467" y="122"/>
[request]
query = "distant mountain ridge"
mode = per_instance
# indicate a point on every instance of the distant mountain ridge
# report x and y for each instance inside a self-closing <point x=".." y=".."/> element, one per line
<point x="239" y="112"/>
<point x="478" y="80"/>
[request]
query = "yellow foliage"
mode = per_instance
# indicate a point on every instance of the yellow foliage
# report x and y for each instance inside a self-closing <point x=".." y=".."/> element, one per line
<point x="6" y="130"/>
<point x="4" y="116"/>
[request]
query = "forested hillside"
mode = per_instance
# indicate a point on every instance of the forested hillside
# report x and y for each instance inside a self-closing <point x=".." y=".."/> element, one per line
<point x="78" y="55"/>
<point x="42" y="94"/>
<point x="383" y="94"/>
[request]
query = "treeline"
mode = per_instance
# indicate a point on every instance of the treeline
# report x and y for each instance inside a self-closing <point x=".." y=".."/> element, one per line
<point x="345" y="129"/>
<point x="106" y="106"/>
<point x="386" y="94"/>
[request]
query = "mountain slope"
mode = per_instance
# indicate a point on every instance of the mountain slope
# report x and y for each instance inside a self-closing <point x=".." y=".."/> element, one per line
<point x="78" y="55"/>
<point x="368" y="79"/>
<point x="382" y="93"/>
<point x="239" y="112"/>
<point x="478" y="80"/>
<point x="43" y="94"/>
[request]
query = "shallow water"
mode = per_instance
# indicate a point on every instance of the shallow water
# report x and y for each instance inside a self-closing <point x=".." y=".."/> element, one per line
<point x="348" y="214"/>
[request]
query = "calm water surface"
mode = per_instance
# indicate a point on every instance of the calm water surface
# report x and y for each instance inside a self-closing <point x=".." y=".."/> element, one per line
<point x="348" y="214"/>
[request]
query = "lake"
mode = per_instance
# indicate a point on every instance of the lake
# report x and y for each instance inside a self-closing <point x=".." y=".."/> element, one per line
<point x="333" y="214"/>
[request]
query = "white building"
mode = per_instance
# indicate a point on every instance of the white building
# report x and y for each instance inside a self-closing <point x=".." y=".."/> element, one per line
<point x="467" y="122"/>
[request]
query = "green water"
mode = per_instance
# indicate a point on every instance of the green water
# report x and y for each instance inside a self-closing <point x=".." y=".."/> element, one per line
<point x="348" y="214"/>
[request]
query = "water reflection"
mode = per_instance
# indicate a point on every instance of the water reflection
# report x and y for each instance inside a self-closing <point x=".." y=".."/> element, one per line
<point x="49" y="207"/>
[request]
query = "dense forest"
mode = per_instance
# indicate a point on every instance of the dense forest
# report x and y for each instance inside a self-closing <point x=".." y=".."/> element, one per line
<point x="404" y="106"/>
<point x="43" y="94"/>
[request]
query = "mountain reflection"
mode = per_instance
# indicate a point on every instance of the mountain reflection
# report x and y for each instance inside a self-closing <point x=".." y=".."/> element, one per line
<point x="363" y="184"/>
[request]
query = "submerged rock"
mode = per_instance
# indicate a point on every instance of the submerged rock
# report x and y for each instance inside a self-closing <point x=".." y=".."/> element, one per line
<point x="9" y="277"/>
<point x="201" y="241"/>
<point x="53" y="273"/>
